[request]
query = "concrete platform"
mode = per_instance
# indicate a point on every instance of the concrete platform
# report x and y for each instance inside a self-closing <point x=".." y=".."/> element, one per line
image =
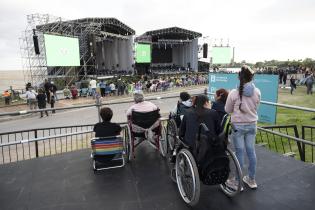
<point x="68" y="182"/>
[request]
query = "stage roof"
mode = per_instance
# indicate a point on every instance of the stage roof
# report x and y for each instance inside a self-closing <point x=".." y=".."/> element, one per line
<point x="111" y="25"/>
<point x="172" y="33"/>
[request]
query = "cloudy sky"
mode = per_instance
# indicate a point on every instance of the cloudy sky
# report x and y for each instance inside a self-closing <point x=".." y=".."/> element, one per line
<point x="259" y="29"/>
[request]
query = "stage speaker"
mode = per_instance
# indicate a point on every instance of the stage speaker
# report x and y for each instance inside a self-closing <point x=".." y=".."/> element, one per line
<point x="205" y="50"/>
<point x="36" y="46"/>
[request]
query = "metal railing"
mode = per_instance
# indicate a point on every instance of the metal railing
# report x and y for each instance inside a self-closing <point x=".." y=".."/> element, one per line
<point x="308" y="133"/>
<point x="28" y="144"/>
<point x="285" y="140"/>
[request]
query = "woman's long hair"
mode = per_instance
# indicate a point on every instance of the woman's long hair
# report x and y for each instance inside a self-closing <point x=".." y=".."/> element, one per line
<point x="245" y="75"/>
<point x="223" y="94"/>
<point x="198" y="103"/>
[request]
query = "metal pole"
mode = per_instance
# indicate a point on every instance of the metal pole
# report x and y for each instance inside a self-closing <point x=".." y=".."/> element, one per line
<point x="98" y="105"/>
<point x="36" y="143"/>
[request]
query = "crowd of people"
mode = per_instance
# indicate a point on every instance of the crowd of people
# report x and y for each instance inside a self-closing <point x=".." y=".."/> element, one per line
<point x="126" y="85"/>
<point x="241" y="103"/>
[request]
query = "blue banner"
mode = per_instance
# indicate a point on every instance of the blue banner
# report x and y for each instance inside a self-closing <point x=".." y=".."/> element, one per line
<point x="266" y="83"/>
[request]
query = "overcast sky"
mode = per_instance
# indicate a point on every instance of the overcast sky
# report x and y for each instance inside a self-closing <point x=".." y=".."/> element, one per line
<point x="259" y="29"/>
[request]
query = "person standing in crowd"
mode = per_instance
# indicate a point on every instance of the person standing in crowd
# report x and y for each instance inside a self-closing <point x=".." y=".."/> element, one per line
<point x="7" y="97"/>
<point x="52" y="103"/>
<point x="102" y="85"/>
<point x="292" y="83"/>
<point x="280" y="76"/>
<point x="285" y="76"/>
<point x="41" y="101"/>
<point x="243" y="103"/>
<point x="93" y="87"/>
<point x="47" y="86"/>
<point x="112" y="88"/>
<point x="53" y="90"/>
<point x="309" y="81"/>
<point x="31" y="98"/>
<point x="219" y="103"/>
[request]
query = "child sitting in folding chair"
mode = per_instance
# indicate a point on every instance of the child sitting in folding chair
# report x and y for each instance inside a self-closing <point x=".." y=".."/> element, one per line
<point x="107" y="143"/>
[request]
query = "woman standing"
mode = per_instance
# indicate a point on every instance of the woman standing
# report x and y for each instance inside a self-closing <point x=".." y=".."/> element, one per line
<point x="243" y="103"/>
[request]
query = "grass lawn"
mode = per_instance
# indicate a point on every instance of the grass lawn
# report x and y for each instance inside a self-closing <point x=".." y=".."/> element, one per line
<point x="287" y="116"/>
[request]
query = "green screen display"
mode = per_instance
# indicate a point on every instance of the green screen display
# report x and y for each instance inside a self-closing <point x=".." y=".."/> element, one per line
<point x="221" y="55"/>
<point x="143" y="53"/>
<point x="62" y="51"/>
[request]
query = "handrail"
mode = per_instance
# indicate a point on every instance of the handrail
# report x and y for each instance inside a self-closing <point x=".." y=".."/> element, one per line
<point x="44" y="138"/>
<point x="287" y="136"/>
<point x="289" y="106"/>
<point x="123" y="124"/>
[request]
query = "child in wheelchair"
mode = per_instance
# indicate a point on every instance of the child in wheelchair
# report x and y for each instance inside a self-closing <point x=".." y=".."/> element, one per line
<point x="106" y="129"/>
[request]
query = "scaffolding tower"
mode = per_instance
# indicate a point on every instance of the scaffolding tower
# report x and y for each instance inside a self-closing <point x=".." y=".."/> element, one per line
<point x="88" y="30"/>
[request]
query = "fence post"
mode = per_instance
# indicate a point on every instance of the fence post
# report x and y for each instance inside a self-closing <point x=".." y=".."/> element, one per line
<point x="300" y="147"/>
<point x="98" y="105"/>
<point x="36" y="143"/>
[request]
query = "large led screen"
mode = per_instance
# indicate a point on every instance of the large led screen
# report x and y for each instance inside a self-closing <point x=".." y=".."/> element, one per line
<point x="143" y="53"/>
<point x="62" y="51"/>
<point x="221" y="55"/>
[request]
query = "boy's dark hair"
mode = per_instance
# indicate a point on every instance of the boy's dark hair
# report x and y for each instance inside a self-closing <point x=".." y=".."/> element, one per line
<point x="106" y="114"/>
<point x="184" y="96"/>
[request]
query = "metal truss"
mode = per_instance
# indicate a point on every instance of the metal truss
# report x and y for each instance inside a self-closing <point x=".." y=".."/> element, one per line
<point x="88" y="30"/>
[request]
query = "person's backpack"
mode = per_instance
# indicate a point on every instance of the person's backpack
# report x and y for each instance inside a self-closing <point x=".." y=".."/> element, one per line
<point x="212" y="159"/>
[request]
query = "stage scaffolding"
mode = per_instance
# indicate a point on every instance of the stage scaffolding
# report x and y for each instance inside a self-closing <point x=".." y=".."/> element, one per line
<point x="88" y="30"/>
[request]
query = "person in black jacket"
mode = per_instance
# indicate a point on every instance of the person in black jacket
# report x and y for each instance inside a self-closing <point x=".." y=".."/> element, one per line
<point x="106" y="128"/>
<point x="200" y="113"/>
<point x="41" y="101"/>
<point x="47" y="87"/>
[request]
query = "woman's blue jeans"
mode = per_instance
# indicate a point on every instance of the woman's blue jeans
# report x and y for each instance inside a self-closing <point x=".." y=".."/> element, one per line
<point x="244" y="137"/>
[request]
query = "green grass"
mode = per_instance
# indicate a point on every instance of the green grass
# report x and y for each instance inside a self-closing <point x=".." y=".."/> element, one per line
<point x="287" y="116"/>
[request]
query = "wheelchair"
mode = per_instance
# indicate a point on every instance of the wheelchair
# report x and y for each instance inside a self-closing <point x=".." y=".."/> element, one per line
<point x="188" y="172"/>
<point x="172" y="127"/>
<point x="110" y="152"/>
<point x="147" y="126"/>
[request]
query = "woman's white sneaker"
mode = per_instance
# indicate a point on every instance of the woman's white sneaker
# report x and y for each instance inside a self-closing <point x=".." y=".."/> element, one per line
<point x="250" y="182"/>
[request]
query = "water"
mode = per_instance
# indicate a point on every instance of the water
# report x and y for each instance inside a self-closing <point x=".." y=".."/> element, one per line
<point x="11" y="78"/>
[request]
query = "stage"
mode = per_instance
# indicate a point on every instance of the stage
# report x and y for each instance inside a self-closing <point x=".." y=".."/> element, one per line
<point x="67" y="181"/>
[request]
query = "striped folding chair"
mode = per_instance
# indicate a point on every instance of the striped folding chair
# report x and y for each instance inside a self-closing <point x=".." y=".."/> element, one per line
<point x="108" y="152"/>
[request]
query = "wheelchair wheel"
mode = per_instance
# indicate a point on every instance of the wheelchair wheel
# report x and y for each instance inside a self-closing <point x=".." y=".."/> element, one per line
<point x="163" y="142"/>
<point x="234" y="183"/>
<point x="187" y="177"/>
<point x="171" y="134"/>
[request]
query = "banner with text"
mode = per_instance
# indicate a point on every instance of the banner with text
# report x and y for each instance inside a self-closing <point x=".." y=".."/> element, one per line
<point x="267" y="84"/>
